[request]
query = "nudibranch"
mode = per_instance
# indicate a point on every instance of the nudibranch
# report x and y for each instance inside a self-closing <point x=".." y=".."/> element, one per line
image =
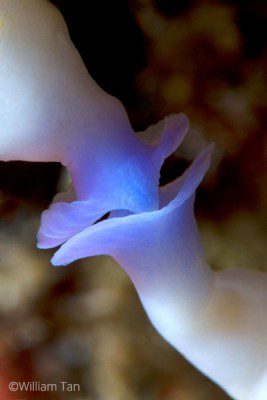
<point x="217" y="320"/>
<point x="52" y="110"/>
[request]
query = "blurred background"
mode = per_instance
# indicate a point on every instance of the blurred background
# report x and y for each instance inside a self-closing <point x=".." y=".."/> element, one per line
<point x="84" y="324"/>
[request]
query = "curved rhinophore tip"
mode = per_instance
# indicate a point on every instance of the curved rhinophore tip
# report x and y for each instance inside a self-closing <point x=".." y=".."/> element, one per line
<point x="174" y="131"/>
<point x="166" y="135"/>
<point x="177" y="192"/>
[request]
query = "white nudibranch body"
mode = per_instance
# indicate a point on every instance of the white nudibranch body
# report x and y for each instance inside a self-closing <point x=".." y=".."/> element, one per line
<point x="217" y="320"/>
<point x="52" y="110"/>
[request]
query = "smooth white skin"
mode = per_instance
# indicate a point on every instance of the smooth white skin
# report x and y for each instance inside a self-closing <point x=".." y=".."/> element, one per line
<point x="217" y="320"/>
<point x="52" y="110"/>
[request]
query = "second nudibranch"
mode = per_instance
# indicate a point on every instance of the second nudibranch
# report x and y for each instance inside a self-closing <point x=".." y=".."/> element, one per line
<point x="217" y="320"/>
<point x="52" y="110"/>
